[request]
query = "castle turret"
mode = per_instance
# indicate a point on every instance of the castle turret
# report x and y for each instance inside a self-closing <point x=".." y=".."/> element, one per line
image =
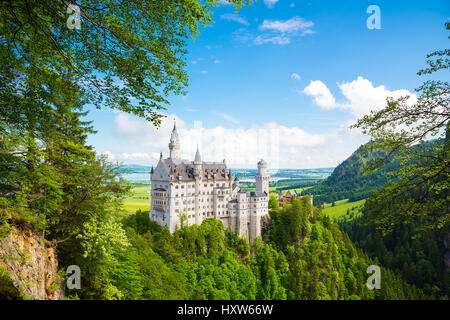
<point x="174" y="145"/>
<point x="236" y="182"/>
<point x="262" y="179"/>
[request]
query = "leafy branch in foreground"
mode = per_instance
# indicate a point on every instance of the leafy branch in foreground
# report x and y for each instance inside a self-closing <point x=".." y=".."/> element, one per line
<point x="419" y="133"/>
<point x="124" y="51"/>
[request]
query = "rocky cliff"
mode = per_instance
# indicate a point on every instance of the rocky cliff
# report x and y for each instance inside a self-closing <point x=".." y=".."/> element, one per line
<point x="30" y="265"/>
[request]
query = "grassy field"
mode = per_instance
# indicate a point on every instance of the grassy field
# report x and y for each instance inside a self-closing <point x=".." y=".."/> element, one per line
<point x="139" y="198"/>
<point x="342" y="207"/>
<point x="298" y="190"/>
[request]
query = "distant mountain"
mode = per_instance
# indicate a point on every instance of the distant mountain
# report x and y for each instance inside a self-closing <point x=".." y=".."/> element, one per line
<point x="347" y="180"/>
<point x="287" y="174"/>
<point x="135" y="168"/>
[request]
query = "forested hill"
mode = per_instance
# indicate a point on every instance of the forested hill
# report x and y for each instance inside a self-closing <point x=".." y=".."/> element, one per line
<point x="347" y="180"/>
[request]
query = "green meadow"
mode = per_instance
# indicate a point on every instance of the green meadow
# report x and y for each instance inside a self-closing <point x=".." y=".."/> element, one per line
<point x="344" y="207"/>
<point x="139" y="198"/>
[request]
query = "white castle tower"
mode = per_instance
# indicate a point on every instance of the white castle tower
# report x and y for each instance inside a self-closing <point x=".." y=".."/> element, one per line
<point x="262" y="179"/>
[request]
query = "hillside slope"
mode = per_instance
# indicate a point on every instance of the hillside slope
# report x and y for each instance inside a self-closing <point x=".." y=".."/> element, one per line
<point x="348" y="182"/>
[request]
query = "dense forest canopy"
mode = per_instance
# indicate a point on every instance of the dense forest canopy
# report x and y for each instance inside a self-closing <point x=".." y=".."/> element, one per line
<point x="422" y="261"/>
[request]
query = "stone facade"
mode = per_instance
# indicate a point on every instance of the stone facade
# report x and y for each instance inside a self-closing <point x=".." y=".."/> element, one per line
<point x="201" y="190"/>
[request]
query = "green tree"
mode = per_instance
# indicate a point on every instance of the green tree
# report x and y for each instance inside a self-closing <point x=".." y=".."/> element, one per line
<point x="404" y="128"/>
<point x="273" y="202"/>
<point x="123" y="49"/>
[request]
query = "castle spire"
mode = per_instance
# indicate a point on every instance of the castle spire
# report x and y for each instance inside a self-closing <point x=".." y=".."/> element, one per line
<point x="174" y="145"/>
<point x="174" y="135"/>
<point x="197" y="156"/>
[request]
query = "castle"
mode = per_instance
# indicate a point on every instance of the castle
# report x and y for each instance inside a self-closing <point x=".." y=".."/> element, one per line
<point x="196" y="190"/>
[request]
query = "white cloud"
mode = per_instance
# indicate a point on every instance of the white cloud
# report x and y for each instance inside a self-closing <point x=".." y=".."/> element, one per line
<point x="235" y="17"/>
<point x="142" y="132"/>
<point x="322" y="95"/>
<point x="133" y="157"/>
<point x="242" y="35"/>
<point x="270" y="3"/>
<point x="216" y="61"/>
<point x="280" y="145"/>
<point x="296" y="76"/>
<point x="271" y="39"/>
<point x="281" y="31"/>
<point x="308" y="31"/>
<point x="361" y="96"/>
<point x="204" y="71"/>
<point x="292" y="25"/>
<point x="228" y="117"/>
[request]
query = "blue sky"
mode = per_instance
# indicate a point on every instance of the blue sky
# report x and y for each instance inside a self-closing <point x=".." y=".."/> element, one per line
<point x="283" y="80"/>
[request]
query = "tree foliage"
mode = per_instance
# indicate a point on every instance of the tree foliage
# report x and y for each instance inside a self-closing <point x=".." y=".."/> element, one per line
<point x="124" y="49"/>
<point x="419" y="260"/>
<point x="314" y="261"/>
<point x="419" y="132"/>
